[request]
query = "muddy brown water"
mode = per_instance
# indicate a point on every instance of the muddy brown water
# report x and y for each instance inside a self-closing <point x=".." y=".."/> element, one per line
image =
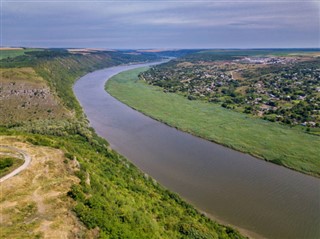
<point x="262" y="199"/>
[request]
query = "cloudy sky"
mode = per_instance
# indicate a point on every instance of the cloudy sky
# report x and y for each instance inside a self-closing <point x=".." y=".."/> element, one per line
<point x="161" y="23"/>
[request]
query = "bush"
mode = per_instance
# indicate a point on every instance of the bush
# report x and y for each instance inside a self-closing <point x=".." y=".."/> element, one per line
<point x="5" y="163"/>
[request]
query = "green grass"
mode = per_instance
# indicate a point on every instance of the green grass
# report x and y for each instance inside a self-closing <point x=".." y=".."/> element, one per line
<point x="14" y="53"/>
<point x="271" y="141"/>
<point x="8" y="164"/>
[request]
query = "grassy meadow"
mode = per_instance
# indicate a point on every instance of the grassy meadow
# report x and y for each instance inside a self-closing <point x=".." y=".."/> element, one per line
<point x="273" y="142"/>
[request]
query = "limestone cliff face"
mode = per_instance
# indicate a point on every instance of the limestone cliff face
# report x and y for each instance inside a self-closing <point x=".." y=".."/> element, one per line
<point x="24" y="96"/>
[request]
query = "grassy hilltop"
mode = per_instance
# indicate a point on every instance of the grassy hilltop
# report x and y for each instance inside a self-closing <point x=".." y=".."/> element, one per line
<point x="80" y="187"/>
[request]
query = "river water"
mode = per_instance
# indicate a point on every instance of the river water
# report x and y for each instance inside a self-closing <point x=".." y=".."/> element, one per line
<point x="263" y="200"/>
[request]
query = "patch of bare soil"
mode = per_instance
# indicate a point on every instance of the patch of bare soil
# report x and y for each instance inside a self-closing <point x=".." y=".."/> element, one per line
<point x="10" y="48"/>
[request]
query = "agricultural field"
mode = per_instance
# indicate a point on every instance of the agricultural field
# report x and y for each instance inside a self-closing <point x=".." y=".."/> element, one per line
<point x="272" y="85"/>
<point x="14" y="52"/>
<point x="280" y="144"/>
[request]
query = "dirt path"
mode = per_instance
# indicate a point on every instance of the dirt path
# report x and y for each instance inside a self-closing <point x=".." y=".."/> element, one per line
<point x="26" y="158"/>
<point x="34" y="203"/>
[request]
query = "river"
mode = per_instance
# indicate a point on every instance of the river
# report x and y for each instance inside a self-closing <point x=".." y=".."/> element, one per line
<point x="261" y="199"/>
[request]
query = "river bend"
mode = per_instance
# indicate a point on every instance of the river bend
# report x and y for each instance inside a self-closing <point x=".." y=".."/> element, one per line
<point x="262" y="199"/>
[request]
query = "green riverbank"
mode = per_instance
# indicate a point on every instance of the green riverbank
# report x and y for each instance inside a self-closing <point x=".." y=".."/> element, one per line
<point x="273" y="142"/>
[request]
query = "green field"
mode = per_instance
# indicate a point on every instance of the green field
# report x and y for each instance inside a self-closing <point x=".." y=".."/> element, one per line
<point x="13" y="53"/>
<point x="273" y="142"/>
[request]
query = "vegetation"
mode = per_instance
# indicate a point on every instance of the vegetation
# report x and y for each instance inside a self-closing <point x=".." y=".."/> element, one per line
<point x="34" y="204"/>
<point x="61" y="68"/>
<point x="276" y="88"/>
<point x="8" y="164"/>
<point x="23" y="90"/>
<point x="118" y="200"/>
<point x="277" y="143"/>
<point x="11" y="53"/>
<point x="113" y="199"/>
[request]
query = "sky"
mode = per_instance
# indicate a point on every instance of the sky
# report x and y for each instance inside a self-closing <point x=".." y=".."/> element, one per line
<point x="149" y="24"/>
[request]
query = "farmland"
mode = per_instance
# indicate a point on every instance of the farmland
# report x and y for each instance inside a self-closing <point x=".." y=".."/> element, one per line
<point x="13" y="52"/>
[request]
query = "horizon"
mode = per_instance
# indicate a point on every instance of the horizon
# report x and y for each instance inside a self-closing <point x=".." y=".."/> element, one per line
<point x="163" y="49"/>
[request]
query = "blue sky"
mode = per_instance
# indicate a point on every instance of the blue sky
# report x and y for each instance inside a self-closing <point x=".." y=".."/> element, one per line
<point x="161" y="24"/>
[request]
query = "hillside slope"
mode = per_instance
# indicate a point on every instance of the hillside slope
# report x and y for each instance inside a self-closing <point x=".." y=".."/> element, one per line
<point x="110" y="196"/>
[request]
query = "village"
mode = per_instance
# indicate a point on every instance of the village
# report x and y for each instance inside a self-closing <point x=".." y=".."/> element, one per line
<point x="284" y="89"/>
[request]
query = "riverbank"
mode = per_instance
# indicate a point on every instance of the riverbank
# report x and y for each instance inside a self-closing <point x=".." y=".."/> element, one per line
<point x="257" y="196"/>
<point x="106" y="186"/>
<point x="273" y="142"/>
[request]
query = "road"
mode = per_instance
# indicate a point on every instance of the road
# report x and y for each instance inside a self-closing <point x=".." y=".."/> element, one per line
<point x="27" y="160"/>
